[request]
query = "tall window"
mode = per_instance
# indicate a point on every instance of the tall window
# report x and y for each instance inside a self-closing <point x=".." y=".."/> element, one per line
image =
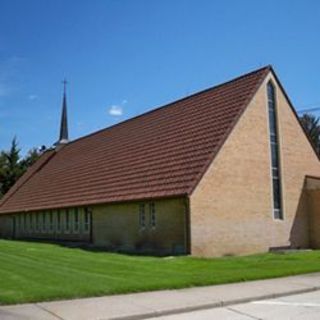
<point x="58" y="220"/>
<point x="31" y="222"/>
<point x="38" y="221"/>
<point x="76" y="220"/>
<point x="51" y="220"/>
<point x="142" y="216"/>
<point x="87" y="213"/>
<point x="67" y="220"/>
<point x="25" y="223"/>
<point x="152" y="210"/>
<point x="44" y="226"/>
<point x="275" y="162"/>
<point x="19" y="222"/>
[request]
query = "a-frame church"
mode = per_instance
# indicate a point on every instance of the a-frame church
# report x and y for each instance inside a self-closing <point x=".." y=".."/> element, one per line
<point x="225" y="171"/>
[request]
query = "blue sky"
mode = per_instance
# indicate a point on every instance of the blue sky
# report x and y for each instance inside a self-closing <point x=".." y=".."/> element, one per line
<point x="124" y="57"/>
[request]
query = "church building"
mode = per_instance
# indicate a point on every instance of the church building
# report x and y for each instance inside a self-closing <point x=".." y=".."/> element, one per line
<point x="226" y="171"/>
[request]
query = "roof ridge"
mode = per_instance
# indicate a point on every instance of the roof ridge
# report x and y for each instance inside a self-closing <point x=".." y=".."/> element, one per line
<point x="45" y="185"/>
<point x="267" y="67"/>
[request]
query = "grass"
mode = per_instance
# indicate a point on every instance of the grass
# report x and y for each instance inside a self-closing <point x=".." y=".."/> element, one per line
<point x="33" y="272"/>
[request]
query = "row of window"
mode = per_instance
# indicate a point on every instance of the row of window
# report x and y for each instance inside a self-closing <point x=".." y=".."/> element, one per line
<point x="73" y="220"/>
<point x="145" y="211"/>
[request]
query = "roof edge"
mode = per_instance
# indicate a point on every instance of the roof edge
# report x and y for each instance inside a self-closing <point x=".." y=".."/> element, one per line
<point x="31" y="171"/>
<point x="99" y="203"/>
<point x="266" y="70"/>
<point x="267" y="67"/>
<point x="295" y="112"/>
<point x="217" y="150"/>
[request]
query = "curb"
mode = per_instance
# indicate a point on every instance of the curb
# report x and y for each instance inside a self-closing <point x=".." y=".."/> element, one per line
<point x="220" y="304"/>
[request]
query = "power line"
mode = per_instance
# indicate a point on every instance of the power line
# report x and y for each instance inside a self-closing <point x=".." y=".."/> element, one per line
<point x="311" y="107"/>
<point x="309" y="110"/>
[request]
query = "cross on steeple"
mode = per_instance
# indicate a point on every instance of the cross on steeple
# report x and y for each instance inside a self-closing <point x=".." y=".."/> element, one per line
<point x="64" y="135"/>
<point x="64" y="82"/>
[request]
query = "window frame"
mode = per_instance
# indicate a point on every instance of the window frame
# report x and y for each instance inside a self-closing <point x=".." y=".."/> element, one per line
<point x="31" y="219"/>
<point x="44" y="221"/>
<point x="25" y="226"/>
<point x="87" y="220"/>
<point x="152" y="215"/>
<point x="67" y="220"/>
<point x="275" y="156"/>
<point x="51" y="221"/>
<point x="38" y="222"/>
<point x="76" y="220"/>
<point x="142" y="216"/>
<point x="58" y="221"/>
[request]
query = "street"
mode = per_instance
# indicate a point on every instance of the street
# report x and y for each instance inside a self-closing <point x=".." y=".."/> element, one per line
<point x="296" y="307"/>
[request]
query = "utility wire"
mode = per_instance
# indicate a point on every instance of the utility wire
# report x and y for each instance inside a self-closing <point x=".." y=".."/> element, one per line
<point x="312" y="107"/>
<point x="309" y="110"/>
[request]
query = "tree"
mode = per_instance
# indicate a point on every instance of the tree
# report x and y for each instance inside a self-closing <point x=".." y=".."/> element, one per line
<point x="2" y="172"/>
<point x="12" y="166"/>
<point x="311" y="124"/>
<point x="11" y="170"/>
<point x="31" y="157"/>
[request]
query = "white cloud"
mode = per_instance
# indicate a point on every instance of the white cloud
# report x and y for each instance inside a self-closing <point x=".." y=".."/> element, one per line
<point x="80" y="124"/>
<point x="32" y="97"/>
<point x="115" y="110"/>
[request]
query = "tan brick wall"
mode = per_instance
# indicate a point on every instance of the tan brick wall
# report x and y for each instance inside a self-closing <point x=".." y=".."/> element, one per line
<point x="116" y="227"/>
<point x="231" y="208"/>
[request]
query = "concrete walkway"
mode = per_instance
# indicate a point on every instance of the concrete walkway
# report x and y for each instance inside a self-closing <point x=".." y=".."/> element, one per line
<point x="159" y="303"/>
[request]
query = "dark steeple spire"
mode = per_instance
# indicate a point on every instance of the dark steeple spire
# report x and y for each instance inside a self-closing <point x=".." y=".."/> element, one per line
<point x="64" y="136"/>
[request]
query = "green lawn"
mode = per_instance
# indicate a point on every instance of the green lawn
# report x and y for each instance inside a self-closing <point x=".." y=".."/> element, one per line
<point x="32" y="272"/>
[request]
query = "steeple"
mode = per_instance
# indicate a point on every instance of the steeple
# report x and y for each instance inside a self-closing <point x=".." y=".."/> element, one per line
<point x="64" y="136"/>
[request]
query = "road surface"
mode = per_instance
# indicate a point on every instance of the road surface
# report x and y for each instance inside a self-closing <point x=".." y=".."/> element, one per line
<point x="297" y="307"/>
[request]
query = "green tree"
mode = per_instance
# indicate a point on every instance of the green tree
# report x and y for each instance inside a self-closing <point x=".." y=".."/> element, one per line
<point x="12" y="166"/>
<point x="31" y="157"/>
<point x="2" y="172"/>
<point x="311" y="124"/>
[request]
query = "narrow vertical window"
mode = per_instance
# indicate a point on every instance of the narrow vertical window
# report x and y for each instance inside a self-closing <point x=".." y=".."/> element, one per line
<point x="31" y="222"/>
<point x="275" y="159"/>
<point x="142" y="216"/>
<point x="25" y="223"/>
<point x="38" y="221"/>
<point x="86" y="219"/>
<point x="58" y="220"/>
<point x="67" y="220"/>
<point x="51" y="221"/>
<point x="44" y="227"/>
<point x="76" y="220"/>
<point x="19" y="223"/>
<point x="152" y="210"/>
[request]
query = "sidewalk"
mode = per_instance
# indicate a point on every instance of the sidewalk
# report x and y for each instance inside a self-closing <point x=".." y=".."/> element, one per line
<point x="151" y="304"/>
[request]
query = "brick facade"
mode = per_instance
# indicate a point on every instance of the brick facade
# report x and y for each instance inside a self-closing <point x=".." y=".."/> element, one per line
<point x="118" y="227"/>
<point x="231" y="208"/>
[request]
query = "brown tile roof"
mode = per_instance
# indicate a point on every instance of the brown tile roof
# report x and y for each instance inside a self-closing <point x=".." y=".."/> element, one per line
<point x="162" y="153"/>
